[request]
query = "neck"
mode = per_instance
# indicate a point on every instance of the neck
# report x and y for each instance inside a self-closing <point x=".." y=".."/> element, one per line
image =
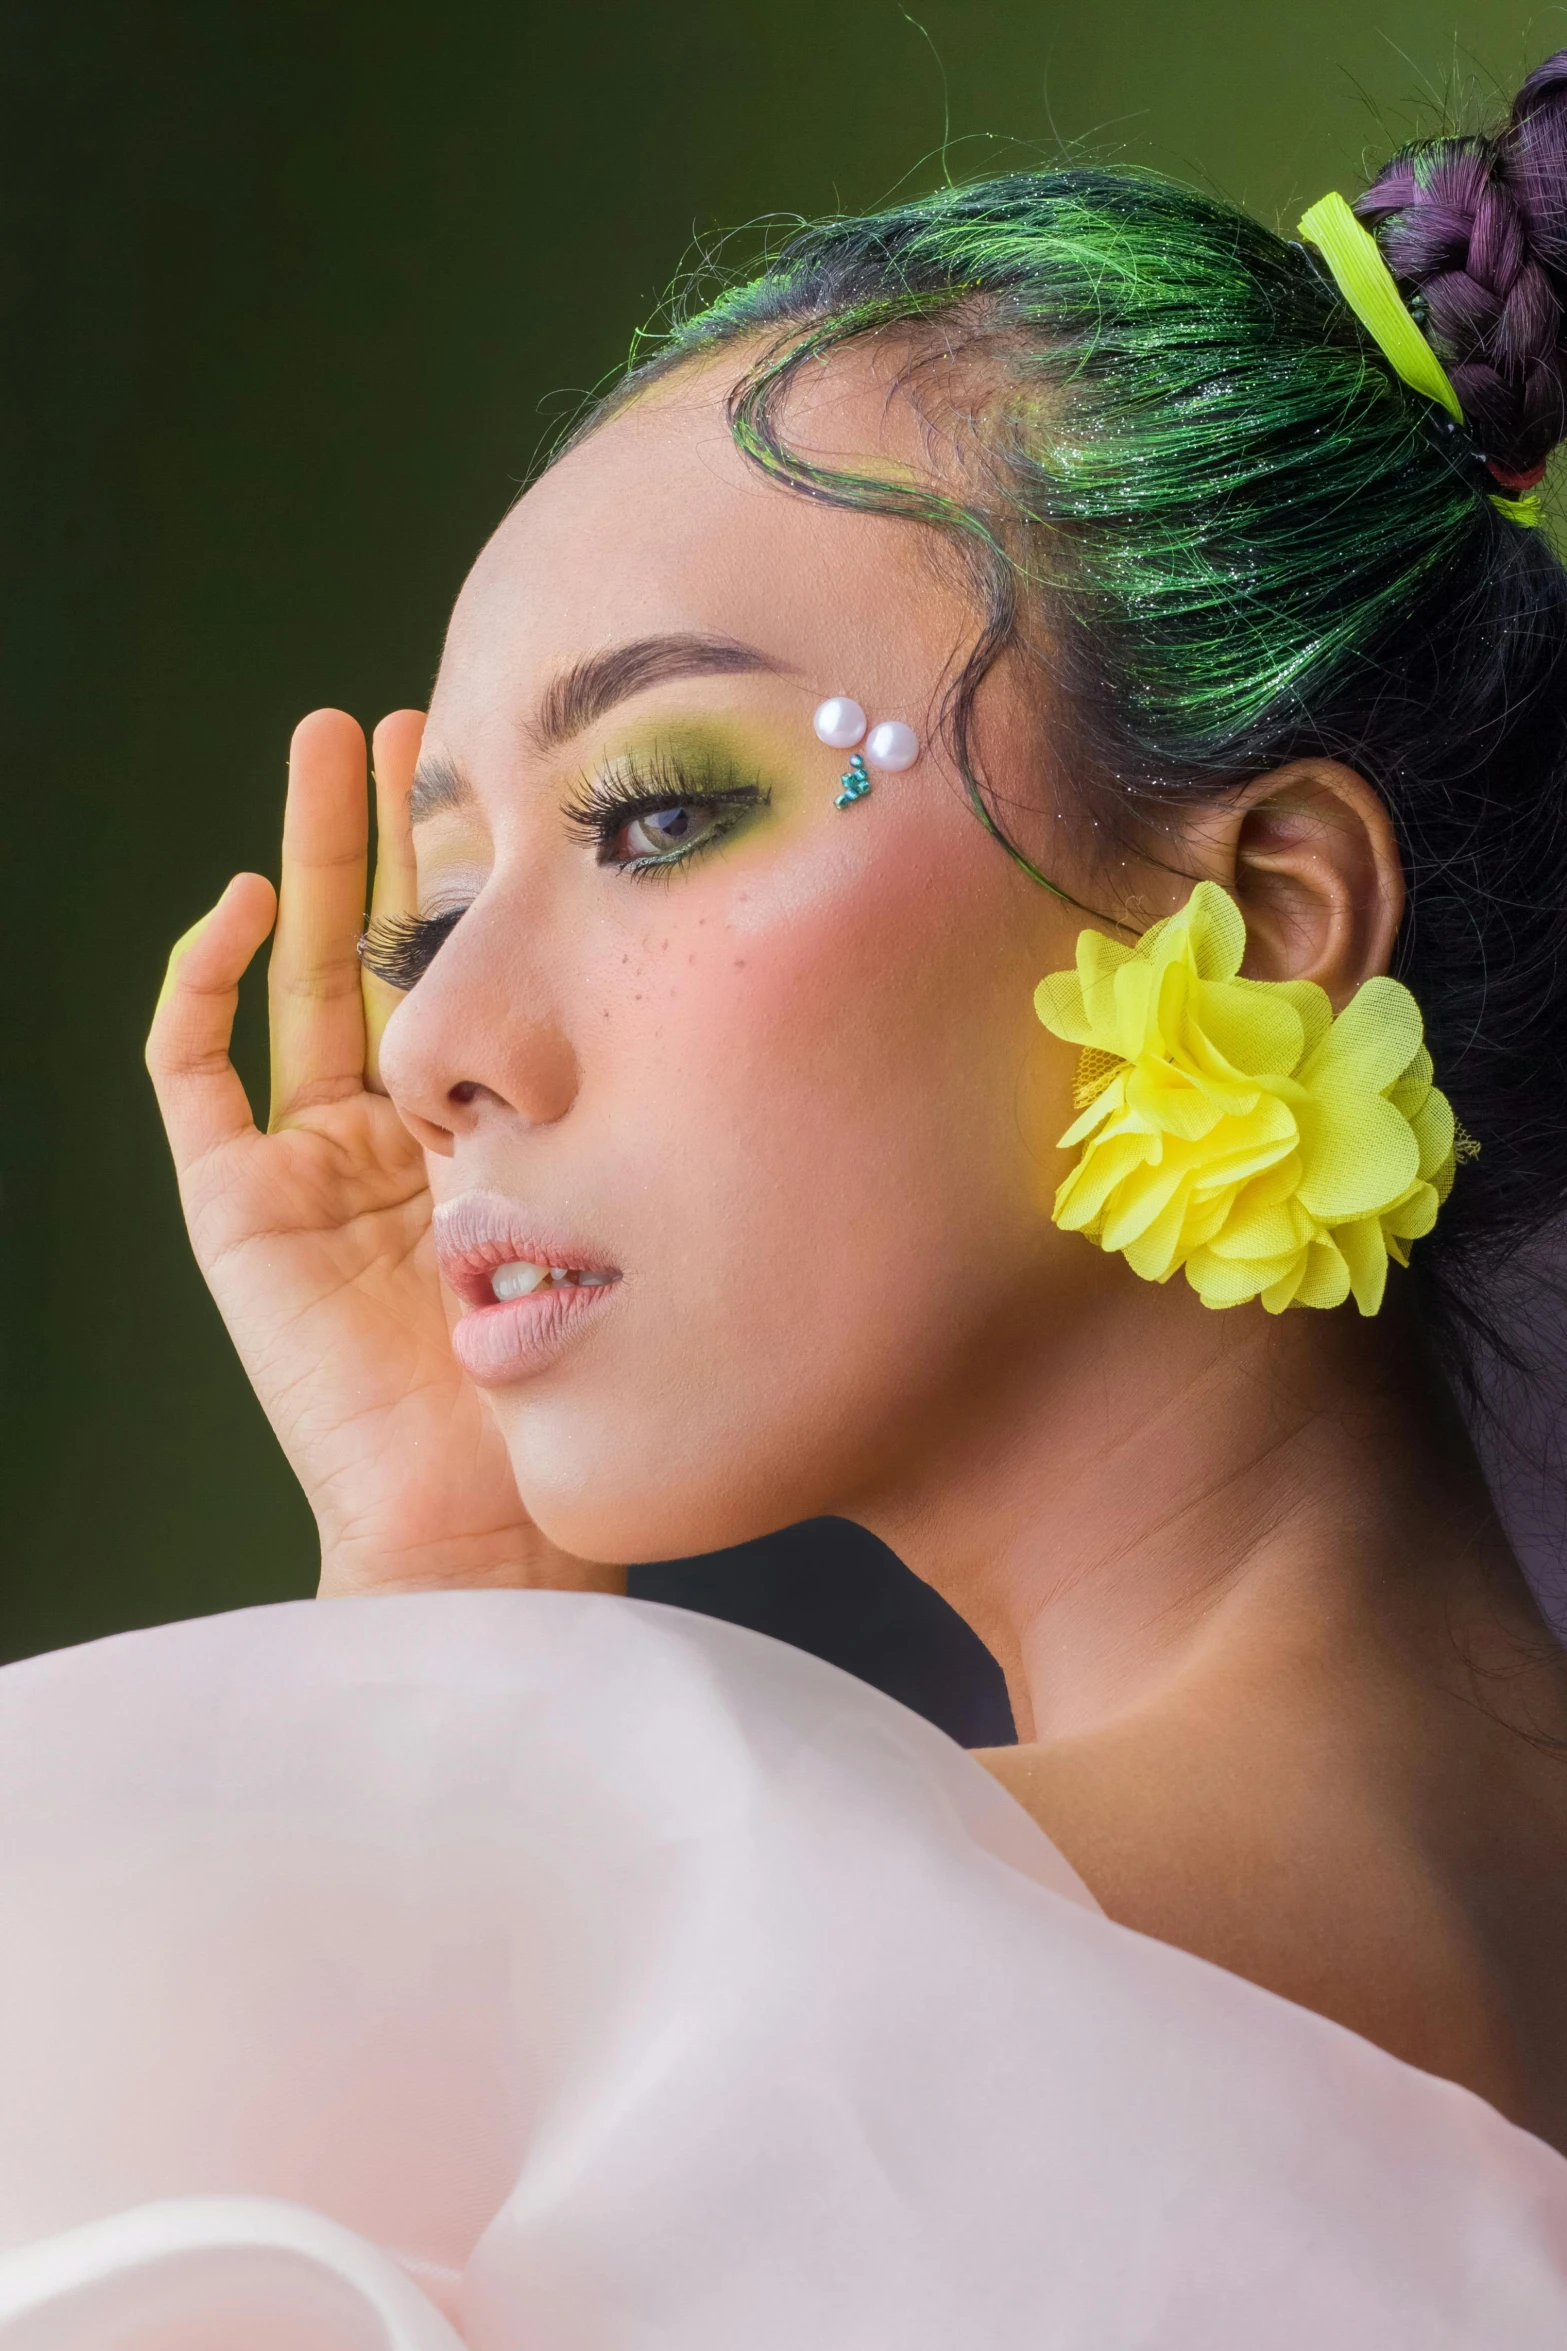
<point x="1186" y="1493"/>
<point x="1269" y="1656"/>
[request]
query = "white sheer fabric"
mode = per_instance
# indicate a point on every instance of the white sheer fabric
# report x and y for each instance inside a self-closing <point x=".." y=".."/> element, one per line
<point x="544" y="1972"/>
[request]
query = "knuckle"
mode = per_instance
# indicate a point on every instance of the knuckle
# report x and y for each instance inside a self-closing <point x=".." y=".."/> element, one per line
<point x="326" y="984"/>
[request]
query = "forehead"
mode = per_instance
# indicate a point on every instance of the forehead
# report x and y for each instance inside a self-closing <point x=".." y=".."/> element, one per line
<point x="657" y="524"/>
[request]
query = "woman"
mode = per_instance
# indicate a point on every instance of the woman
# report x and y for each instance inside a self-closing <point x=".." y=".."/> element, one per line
<point x="707" y="1068"/>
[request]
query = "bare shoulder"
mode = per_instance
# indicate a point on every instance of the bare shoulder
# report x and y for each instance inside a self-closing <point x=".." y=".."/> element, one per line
<point x="1447" y="1947"/>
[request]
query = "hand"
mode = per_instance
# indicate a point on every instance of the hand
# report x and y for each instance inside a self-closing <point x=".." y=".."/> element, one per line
<point x="315" y="1237"/>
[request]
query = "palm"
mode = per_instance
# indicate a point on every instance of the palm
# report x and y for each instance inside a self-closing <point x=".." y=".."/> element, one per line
<point x="315" y="1238"/>
<point x="316" y="1242"/>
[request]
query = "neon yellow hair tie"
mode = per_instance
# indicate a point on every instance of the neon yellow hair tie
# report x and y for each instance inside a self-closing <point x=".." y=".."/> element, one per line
<point x="1361" y="275"/>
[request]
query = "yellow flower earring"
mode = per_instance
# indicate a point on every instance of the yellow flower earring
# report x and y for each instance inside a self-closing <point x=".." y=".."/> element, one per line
<point x="1236" y="1130"/>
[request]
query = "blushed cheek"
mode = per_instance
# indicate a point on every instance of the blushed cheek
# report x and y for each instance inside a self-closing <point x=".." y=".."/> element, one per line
<point x="876" y="956"/>
<point x="814" y="976"/>
<point x="823" y="1054"/>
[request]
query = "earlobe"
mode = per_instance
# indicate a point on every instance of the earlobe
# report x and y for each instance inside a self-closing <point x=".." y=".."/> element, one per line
<point x="1313" y="864"/>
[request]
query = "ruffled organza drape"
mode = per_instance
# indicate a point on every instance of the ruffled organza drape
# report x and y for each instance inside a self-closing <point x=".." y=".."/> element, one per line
<point x="544" y="1972"/>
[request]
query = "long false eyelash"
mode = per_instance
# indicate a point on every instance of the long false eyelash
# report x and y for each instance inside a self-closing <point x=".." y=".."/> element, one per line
<point x="601" y="805"/>
<point x="400" y="948"/>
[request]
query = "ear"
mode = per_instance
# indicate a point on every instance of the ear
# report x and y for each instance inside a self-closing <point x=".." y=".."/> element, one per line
<point x="1309" y="856"/>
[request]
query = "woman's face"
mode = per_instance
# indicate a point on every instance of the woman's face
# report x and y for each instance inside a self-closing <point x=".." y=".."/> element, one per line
<point x="769" y="1064"/>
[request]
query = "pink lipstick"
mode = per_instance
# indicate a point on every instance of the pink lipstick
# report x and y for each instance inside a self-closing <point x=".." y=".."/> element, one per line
<point x="525" y="1292"/>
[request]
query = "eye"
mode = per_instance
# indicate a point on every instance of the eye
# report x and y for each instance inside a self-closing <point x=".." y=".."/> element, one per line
<point x="659" y="830"/>
<point x="650" y="814"/>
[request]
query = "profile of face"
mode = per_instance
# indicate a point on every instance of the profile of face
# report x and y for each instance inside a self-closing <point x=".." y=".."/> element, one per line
<point x="762" y="1072"/>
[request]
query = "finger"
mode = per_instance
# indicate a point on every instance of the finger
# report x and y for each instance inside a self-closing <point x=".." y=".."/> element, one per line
<point x="394" y="750"/>
<point x="199" y="1092"/>
<point x="318" y="1031"/>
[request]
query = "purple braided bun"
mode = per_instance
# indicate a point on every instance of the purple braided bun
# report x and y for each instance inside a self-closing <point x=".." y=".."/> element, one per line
<point x="1477" y="227"/>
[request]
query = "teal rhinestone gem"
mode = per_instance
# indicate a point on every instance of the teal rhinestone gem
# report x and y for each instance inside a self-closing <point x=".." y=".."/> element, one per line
<point x="856" y="783"/>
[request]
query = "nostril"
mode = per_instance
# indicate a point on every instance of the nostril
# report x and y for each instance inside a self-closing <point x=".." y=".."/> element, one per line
<point x="464" y="1090"/>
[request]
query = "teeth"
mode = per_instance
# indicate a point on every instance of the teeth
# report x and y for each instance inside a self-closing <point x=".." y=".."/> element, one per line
<point x="517" y="1280"/>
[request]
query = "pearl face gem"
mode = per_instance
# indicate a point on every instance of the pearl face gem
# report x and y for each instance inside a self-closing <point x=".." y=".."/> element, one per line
<point x="891" y="745"/>
<point x="839" y="722"/>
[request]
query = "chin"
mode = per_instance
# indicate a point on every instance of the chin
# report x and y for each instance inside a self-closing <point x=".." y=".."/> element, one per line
<point x="621" y="1529"/>
<point x="613" y="1488"/>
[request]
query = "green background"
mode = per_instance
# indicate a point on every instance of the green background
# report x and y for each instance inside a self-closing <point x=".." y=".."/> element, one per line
<point x="295" y="292"/>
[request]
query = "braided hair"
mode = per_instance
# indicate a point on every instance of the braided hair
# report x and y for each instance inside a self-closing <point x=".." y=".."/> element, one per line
<point x="1475" y="230"/>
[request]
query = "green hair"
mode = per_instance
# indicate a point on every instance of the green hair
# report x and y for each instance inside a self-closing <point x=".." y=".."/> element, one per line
<point x="1203" y="501"/>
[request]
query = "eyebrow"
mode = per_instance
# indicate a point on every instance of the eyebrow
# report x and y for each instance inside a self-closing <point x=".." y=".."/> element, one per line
<point x="587" y="690"/>
<point x="437" y="785"/>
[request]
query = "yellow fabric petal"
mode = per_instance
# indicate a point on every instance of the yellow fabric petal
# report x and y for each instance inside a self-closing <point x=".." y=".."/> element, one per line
<point x="1414" y="1085"/>
<point x="1222" y="1281"/>
<point x="1242" y="1131"/>
<point x="1131" y="1012"/>
<point x="1248" y="1148"/>
<point x="1365" y="1254"/>
<point x="1371" y="1044"/>
<point x="1313" y="1004"/>
<point x="1104" y="1110"/>
<point x="1266" y="1230"/>
<point x="1216" y="930"/>
<point x="1167" y="1099"/>
<point x="1284" y="1292"/>
<point x="1155" y="1251"/>
<point x="1058" y="1000"/>
<point x="1253" y="1029"/>
<point x="1412" y="1219"/>
<point x="1324" y="1280"/>
<point x="1095" y="1177"/>
<point x="1358" y="1155"/>
<point x="1279" y="1181"/>
<point x="1432" y="1122"/>
<point x="1101" y="964"/>
<point x="1136" y="1203"/>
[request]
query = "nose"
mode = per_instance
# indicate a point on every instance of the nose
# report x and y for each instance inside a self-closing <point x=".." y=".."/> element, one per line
<point x="476" y="1040"/>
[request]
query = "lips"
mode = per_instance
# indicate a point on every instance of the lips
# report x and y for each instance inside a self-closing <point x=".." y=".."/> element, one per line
<point x="524" y="1292"/>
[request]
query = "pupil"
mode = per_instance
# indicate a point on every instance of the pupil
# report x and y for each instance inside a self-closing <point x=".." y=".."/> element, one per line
<point x="670" y="824"/>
